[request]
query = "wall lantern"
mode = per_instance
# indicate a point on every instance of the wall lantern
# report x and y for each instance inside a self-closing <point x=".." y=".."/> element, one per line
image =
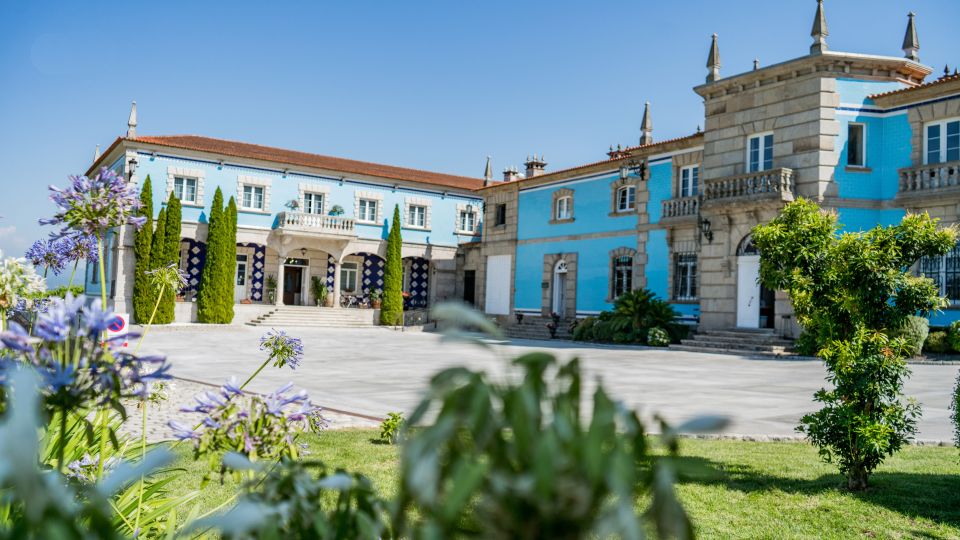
<point x="303" y="252"/>
<point x="131" y="167"/>
<point x="636" y="167"/>
<point x="705" y="232"/>
<point x="220" y="164"/>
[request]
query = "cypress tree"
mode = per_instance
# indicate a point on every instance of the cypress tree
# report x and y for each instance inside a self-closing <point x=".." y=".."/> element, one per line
<point x="391" y="310"/>
<point x="142" y="239"/>
<point x="230" y="260"/>
<point x="158" y="256"/>
<point x="165" y="312"/>
<point x="208" y="307"/>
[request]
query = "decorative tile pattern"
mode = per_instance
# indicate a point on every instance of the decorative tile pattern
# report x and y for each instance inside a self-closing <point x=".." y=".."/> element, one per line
<point x="331" y="272"/>
<point x="259" y="269"/>
<point x="419" y="283"/>
<point x="196" y="257"/>
<point x="371" y="276"/>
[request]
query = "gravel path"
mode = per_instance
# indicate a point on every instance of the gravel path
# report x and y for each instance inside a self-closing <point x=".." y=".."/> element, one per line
<point x="180" y="393"/>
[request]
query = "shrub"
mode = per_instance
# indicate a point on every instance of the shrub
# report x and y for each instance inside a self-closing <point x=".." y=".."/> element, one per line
<point x="914" y="331"/>
<point x="937" y="342"/>
<point x="953" y="336"/>
<point x="585" y="329"/>
<point x="214" y="296"/>
<point x="390" y="428"/>
<point x="658" y="337"/>
<point x="633" y="315"/>
<point x="318" y="286"/>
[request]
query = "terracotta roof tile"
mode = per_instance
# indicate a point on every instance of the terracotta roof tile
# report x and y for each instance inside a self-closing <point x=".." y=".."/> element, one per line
<point x="303" y="159"/>
<point x="941" y="80"/>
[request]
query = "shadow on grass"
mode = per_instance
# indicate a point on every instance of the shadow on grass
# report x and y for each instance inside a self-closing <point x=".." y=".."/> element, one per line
<point x="916" y="495"/>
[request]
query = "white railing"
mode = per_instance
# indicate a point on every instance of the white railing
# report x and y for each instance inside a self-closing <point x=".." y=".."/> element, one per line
<point x="679" y="207"/>
<point x="316" y="223"/>
<point x="775" y="183"/>
<point x="924" y="177"/>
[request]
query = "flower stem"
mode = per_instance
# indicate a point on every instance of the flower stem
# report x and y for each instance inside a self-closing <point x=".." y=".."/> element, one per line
<point x="73" y="274"/>
<point x="103" y="273"/>
<point x="63" y="440"/>
<point x="103" y="305"/>
<point x="143" y="406"/>
<point x="152" y="315"/>
<point x="255" y="373"/>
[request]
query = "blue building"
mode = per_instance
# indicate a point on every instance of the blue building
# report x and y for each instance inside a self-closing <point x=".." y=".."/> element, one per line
<point x="300" y="216"/>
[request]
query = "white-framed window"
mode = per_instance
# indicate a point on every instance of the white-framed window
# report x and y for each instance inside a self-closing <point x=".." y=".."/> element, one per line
<point x="942" y="141"/>
<point x="467" y="221"/>
<point x="622" y="275"/>
<point x="313" y="203"/>
<point x="626" y="198"/>
<point x="689" y="181"/>
<point x="856" y="145"/>
<point x="564" y="208"/>
<point x="348" y="277"/>
<point x="417" y="216"/>
<point x="944" y="270"/>
<point x="760" y="152"/>
<point x="185" y="189"/>
<point x="685" y="276"/>
<point x="253" y="197"/>
<point x="367" y="210"/>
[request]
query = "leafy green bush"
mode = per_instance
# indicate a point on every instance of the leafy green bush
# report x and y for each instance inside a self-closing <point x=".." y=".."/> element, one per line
<point x="937" y="342"/>
<point x="523" y="460"/>
<point x="914" y="331"/>
<point x="633" y="315"/>
<point x="953" y="336"/>
<point x="390" y="428"/>
<point x="585" y="329"/>
<point x="658" y="337"/>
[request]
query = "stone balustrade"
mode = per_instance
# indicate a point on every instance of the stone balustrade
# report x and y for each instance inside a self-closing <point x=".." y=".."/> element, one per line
<point x="928" y="177"/>
<point x="777" y="184"/>
<point x="679" y="207"/>
<point x="316" y="223"/>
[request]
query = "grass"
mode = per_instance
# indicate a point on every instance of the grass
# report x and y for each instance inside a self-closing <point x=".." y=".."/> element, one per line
<point x="732" y="489"/>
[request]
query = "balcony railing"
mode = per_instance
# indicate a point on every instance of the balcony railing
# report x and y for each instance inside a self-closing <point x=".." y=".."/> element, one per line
<point x="927" y="177"/>
<point x="316" y="223"/>
<point x="679" y="207"/>
<point x="777" y="184"/>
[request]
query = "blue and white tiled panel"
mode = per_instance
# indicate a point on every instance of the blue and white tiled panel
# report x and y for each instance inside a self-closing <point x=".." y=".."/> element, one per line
<point x="419" y="283"/>
<point x="371" y="277"/>
<point x="196" y="256"/>
<point x="258" y="269"/>
<point x="331" y="273"/>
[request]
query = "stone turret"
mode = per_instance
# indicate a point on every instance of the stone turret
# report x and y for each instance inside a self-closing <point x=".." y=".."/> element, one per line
<point x="646" y="126"/>
<point x="819" y="32"/>
<point x="911" y="43"/>
<point x="713" y="61"/>
<point x="132" y="122"/>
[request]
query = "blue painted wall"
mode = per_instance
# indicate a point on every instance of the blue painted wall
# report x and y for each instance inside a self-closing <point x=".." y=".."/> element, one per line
<point x="658" y="257"/>
<point x="660" y="186"/>
<point x="591" y="209"/>
<point x="863" y="219"/>
<point x="286" y="187"/>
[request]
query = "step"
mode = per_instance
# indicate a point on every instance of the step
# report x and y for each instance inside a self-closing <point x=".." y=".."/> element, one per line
<point x="732" y="346"/>
<point x="737" y="341"/>
<point x="740" y="333"/>
<point x="709" y="350"/>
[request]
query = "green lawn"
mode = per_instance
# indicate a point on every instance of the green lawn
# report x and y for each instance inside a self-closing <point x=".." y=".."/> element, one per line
<point x="739" y="489"/>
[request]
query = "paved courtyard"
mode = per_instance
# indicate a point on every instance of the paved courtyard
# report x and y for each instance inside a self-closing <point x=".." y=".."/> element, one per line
<point x="377" y="370"/>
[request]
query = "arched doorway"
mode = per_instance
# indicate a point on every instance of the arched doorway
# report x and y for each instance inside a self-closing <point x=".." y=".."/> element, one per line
<point x="755" y="303"/>
<point x="559" y="287"/>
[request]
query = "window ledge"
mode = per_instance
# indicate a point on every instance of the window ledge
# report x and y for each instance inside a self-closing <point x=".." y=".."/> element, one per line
<point x="685" y="301"/>
<point x="466" y="233"/>
<point x="413" y="228"/>
<point x="623" y="213"/>
<point x="253" y="211"/>
<point x="365" y="222"/>
<point x="857" y="169"/>
<point x="558" y="221"/>
<point x="187" y="204"/>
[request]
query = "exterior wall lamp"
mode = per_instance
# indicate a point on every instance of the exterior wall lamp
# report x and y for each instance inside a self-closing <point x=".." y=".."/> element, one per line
<point x="636" y="167"/>
<point x="131" y="167"/>
<point x="704" y="225"/>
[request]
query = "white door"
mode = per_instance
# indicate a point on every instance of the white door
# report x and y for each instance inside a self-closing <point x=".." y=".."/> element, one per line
<point x="498" y="285"/>
<point x="748" y="291"/>
<point x="559" y="287"/>
<point x="240" y="287"/>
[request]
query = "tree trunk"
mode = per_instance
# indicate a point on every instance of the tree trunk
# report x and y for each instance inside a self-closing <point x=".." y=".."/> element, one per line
<point x="857" y="479"/>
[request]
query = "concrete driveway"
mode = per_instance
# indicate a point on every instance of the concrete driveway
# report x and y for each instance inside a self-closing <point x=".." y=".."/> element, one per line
<point x="377" y="370"/>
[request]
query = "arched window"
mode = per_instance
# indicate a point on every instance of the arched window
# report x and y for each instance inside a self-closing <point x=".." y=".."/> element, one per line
<point x="746" y="247"/>
<point x="626" y="198"/>
<point x="622" y="275"/>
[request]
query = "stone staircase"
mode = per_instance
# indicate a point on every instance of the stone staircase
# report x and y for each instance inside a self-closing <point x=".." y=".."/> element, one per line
<point x="535" y="327"/>
<point x="737" y="341"/>
<point x="317" y="317"/>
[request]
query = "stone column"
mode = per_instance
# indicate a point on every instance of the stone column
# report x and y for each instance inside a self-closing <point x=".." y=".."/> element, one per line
<point x="278" y="301"/>
<point x="336" y="283"/>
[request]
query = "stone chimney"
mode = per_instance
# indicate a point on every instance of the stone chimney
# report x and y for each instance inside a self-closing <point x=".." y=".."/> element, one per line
<point x="511" y="174"/>
<point x="535" y="166"/>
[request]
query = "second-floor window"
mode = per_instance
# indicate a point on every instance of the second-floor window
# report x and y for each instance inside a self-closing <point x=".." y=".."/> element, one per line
<point x="500" y="214"/>
<point x="626" y="198"/>
<point x="367" y="210"/>
<point x="689" y="181"/>
<point x="467" y="221"/>
<point x="856" y="145"/>
<point x="417" y="216"/>
<point x="253" y="197"/>
<point x="760" y="152"/>
<point x="185" y="189"/>
<point x="313" y="203"/>
<point x="942" y="142"/>
<point x="564" y="208"/>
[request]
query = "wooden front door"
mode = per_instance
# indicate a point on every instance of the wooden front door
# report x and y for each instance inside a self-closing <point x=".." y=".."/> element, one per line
<point x="292" y="284"/>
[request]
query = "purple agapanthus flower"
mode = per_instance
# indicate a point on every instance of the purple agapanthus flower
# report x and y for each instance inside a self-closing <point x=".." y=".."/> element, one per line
<point x="78" y="246"/>
<point x="17" y="338"/>
<point x="284" y="350"/>
<point x="59" y="319"/>
<point x="51" y="254"/>
<point x="183" y="432"/>
<point x="95" y="205"/>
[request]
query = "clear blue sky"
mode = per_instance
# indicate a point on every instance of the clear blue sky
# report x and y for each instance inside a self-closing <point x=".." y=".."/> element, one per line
<point x="434" y="85"/>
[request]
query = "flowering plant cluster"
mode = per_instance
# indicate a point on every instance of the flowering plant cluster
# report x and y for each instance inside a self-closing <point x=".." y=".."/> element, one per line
<point x="54" y="254"/>
<point x="284" y="350"/>
<point x="257" y="427"/>
<point x="77" y="369"/>
<point x="94" y="205"/>
<point x="18" y="279"/>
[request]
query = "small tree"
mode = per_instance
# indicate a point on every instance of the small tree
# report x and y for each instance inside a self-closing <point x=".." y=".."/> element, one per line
<point x="171" y="255"/>
<point x="142" y="290"/>
<point x="852" y="290"/>
<point x="230" y="261"/>
<point x="391" y="310"/>
<point x="210" y="291"/>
